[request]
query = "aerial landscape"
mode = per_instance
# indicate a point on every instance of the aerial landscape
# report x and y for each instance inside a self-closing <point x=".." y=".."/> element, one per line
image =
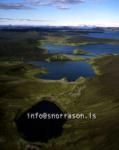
<point x="61" y="58"/>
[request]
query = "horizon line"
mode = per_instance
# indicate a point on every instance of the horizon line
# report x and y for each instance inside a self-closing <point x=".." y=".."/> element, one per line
<point x="58" y="25"/>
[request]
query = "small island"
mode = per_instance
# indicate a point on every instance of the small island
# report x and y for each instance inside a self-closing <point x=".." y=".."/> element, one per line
<point x="79" y="52"/>
<point x="63" y="57"/>
<point x="58" y="57"/>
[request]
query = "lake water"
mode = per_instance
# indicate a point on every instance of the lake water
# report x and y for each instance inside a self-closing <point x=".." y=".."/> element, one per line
<point x="108" y="35"/>
<point x="99" y="49"/>
<point x="42" y="130"/>
<point x="64" y="49"/>
<point x="95" y="49"/>
<point x="70" y="70"/>
<point x="73" y="70"/>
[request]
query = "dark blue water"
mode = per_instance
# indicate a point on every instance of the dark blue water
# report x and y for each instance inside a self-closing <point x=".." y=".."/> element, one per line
<point x="64" y="49"/>
<point x="95" y="49"/>
<point x="73" y="70"/>
<point x="99" y="49"/>
<point x="107" y="35"/>
<point x="70" y="70"/>
<point x="37" y="129"/>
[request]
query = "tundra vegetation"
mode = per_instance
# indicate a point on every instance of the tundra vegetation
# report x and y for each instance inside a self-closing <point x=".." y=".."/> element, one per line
<point x="20" y="90"/>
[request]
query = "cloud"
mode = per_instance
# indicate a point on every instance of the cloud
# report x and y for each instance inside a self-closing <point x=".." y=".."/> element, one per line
<point x="61" y="4"/>
<point x="27" y="20"/>
<point x="12" y="6"/>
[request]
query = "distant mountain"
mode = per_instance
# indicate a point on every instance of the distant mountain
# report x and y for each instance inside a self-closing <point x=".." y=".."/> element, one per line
<point x="64" y="28"/>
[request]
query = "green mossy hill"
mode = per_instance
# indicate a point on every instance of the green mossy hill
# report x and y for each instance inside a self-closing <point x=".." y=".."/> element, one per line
<point x="83" y="40"/>
<point x="98" y="95"/>
<point x="21" y="45"/>
<point x="71" y="38"/>
<point x="18" y="69"/>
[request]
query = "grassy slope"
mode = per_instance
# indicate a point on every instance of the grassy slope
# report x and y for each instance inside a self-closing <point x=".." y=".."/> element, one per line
<point x="73" y="39"/>
<point x="97" y="95"/>
<point x="20" y="45"/>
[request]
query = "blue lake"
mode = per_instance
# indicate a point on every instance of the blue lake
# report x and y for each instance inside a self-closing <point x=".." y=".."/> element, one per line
<point x="64" y="49"/>
<point x="73" y="70"/>
<point x="70" y="70"/>
<point x="99" y="49"/>
<point x="107" y="35"/>
<point x="95" y="49"/>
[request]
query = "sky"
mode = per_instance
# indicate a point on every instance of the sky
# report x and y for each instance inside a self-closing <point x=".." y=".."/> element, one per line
<point x="60" y="12"/>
